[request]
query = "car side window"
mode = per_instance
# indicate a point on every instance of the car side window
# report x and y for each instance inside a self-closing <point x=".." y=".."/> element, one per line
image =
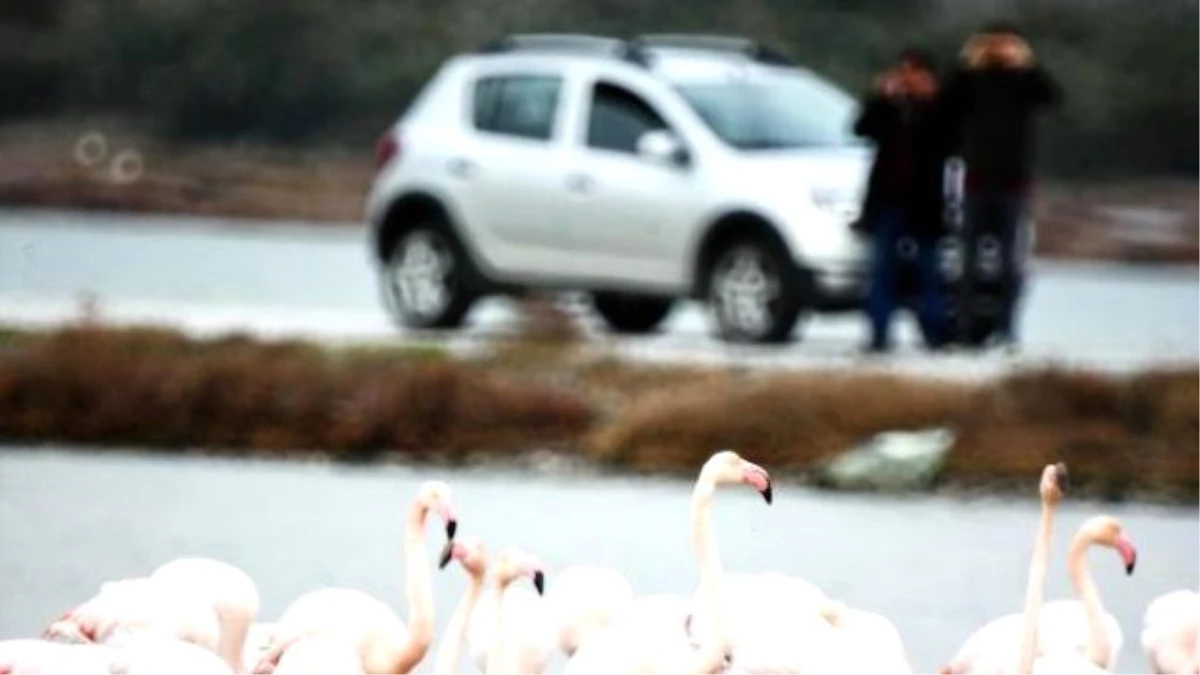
<point x="517" y="105"/>
<point x="618" y="117"/>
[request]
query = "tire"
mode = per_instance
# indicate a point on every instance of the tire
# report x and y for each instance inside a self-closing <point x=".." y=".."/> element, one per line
<point x="427" y="278"/>
<point x="754" y="292"/>
<point x="629" y="313"/>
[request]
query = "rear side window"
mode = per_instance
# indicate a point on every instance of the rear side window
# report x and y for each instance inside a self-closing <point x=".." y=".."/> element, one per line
<point x="517" y="105"/>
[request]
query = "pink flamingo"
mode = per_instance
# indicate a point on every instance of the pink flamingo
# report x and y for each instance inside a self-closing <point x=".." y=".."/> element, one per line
<point x="1059" y="635"/>
<point x="1171" y="632"/>
<point x="199" y="600"/>
<point x="472" y="557"/>
<point x="128" y="608"/>
<point x="584" y="600"/>
<point x="657" y="641"/>
<point x="228" y="590"/>
<point x="140" y="654"/>
<point x="505" y="651"/>
<point x="378" y="636"/>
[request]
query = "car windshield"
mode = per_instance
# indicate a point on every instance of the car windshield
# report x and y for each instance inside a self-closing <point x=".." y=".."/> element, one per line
<point x="774" y="112"/>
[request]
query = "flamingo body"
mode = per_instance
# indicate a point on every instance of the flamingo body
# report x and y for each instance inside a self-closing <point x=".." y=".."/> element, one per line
<point x="228" y="590"/>
<point x="1062" y="627"/>
<point x="528" y="628"/>
<point x="583" y="600"/>
<point x="1171" y="632"/>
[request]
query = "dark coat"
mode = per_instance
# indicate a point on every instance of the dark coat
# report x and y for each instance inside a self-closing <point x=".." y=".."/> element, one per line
<point x="990" y="112"/>
<point x="910" y="138"/>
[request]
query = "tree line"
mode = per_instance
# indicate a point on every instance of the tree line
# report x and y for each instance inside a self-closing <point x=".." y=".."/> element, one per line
<point x="300" y="71"/>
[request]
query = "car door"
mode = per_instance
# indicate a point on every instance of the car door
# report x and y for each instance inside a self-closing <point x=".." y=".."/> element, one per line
<point x="511" y="168"/>
<point x="628" y="212"/>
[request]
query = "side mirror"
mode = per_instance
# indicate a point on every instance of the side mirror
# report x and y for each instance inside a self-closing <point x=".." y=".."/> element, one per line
<point x="663" y="147"/>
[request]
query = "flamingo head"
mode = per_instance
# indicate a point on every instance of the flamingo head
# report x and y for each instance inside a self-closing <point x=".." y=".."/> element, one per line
<point x="468" y="551"/>
<point x="1055" y="482"/>
<point x="435" y="496"/>
<point x="728" y="467"/>
<point x="66" y="630"/>
<point x="1107" y="531"/>
<point x="513" y="563"/>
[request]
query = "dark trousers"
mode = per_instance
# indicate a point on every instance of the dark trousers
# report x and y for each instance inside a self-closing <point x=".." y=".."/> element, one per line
<point x="881" y="292"/>
<point x="999" y="213"/>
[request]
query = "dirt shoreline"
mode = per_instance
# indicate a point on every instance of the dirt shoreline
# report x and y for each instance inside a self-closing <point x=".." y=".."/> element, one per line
<point x="90" y="165"/>
<point x="1124" y="437"/>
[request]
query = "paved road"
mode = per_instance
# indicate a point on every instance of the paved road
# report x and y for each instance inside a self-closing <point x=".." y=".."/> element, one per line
<point x="212" y="275"/>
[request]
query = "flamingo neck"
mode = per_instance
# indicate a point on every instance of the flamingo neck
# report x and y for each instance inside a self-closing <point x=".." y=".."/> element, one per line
<point x="1035" y="590"/>
<point x="1098" y="648"/>
<point x="456" y="631"/>
<point x="418" y="591"/>
<point x="497" y="656"/>
<point x="704" y="543"/>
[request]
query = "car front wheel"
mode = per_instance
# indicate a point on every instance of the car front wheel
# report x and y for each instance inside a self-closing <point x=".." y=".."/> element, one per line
<point x="425" y="279"/>
<point x="754" y="293"/>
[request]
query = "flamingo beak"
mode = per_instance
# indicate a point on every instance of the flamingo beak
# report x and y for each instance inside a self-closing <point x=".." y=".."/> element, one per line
<point x="1128" y="553"/>
<point x="539" y="581"/>
<point x="447" y="514"/>
<point x="758" y="478"/>
<point x="447" y="555"/>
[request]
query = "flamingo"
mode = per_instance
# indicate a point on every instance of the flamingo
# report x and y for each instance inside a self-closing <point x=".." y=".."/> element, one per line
<point x="228" y="590"/>
<point x="140" y="654"/>
<point x="1171" y="632"/>
<point x="657" y="641"/>
<point x="379" y="637"/>
<point x="126" y="608"/>
<point x="26" y="655"/>
<point x="472" y="557"/>
<point x="510" y="631"/>
<point x="584" y="600"/>
<point x="990" y="649"/>
<point x="1062" y="634"/>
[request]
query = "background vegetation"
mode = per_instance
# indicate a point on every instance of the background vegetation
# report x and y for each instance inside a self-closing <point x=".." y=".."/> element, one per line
<point x="1121" y="436"/>
<point x="302" y="71"/>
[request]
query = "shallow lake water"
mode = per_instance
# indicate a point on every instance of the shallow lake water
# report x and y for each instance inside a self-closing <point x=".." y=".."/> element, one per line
<point x="938" y="567"/>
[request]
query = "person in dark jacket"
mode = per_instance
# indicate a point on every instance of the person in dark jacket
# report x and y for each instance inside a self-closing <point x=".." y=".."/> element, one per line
<point x="904" y="192"/>
<point x="991" y="102"/>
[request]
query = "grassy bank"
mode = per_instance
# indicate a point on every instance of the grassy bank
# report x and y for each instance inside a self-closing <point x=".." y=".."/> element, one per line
<point x="1122" y="436"/>
<point x="1133" y="220"/>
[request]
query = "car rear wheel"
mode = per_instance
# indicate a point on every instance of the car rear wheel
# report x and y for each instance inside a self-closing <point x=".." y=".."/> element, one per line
<point x="630" y="313"/>
<point x="425" y="279"/>
<point x="754" y="292"/>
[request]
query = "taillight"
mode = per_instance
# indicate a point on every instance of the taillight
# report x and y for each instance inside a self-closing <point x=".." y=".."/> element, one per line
<point x="385" y="149"/>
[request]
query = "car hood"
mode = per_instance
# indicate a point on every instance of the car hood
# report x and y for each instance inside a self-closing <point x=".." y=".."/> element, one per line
<point x="831" y="174"/>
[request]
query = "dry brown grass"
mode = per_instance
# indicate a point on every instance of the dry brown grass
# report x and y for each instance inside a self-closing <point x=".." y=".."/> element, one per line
<point x="1121" y="436"/>
<point x="157" y="388"/>
<point x="1118" y="434"/>
<point x="785" y="421"/>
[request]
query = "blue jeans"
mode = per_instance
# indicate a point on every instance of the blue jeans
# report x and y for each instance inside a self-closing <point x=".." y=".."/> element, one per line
<point x="1000" y="213"/>
<point x="881" y="292"/>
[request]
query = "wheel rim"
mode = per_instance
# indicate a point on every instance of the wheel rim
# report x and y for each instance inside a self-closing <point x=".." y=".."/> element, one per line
<point x="745" y="288"/>
<point x="419" y="275"/>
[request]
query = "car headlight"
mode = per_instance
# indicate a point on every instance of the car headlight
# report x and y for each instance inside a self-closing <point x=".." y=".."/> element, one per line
<point x="846" y="207"/>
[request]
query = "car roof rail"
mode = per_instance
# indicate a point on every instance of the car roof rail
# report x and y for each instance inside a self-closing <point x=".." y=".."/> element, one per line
<point x="566" y="43"/>
<point x="724" y="43"/>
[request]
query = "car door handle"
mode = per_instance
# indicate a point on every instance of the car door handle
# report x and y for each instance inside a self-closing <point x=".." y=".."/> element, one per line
<point x="463" y="168"/>
<point x="579" y="183"/>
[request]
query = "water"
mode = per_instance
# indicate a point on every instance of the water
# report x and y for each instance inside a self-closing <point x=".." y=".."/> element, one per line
<point x="228" y="274"/>
<point x="937" y="567"/>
